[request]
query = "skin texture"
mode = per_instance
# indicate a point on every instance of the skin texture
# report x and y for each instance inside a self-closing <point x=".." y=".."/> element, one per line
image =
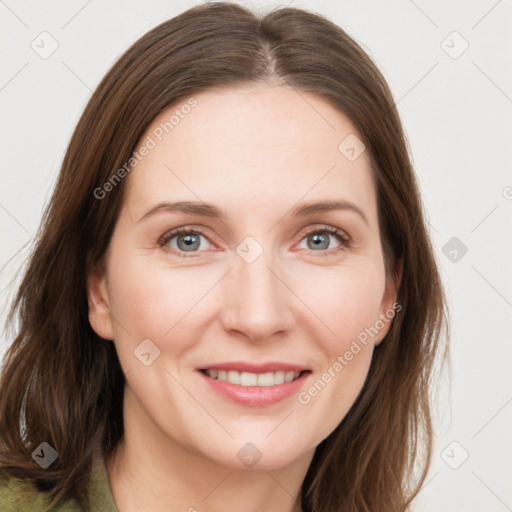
<point x="256" y="153"/>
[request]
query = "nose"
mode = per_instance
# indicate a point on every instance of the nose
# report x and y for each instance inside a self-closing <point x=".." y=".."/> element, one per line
<point x="258" y="303"/>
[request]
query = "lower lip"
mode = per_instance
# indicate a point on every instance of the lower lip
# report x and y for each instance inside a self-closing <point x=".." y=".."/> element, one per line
<point x="256" y="396"/>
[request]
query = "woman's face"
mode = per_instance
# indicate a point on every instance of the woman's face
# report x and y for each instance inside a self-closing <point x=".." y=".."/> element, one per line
<point x="253" y="290"/>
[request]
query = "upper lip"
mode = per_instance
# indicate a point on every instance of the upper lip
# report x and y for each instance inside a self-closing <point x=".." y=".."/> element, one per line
<point x="271" y="366"/>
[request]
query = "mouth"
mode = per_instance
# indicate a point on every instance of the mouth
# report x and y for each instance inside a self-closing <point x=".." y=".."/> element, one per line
<point x="248" y="379"/>
<point x="255" y="385"/>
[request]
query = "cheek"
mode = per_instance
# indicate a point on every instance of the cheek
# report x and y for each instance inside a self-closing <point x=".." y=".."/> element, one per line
<point x="350" y="305"/>
<point x="347" y="301"/>
<point x="153" y="302"/>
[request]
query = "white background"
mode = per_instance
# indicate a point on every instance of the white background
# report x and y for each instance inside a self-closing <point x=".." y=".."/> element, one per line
<point x="456" y="112"/>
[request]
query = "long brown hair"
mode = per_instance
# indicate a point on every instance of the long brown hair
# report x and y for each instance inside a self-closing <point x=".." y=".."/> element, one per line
<point x="63" y="384"/>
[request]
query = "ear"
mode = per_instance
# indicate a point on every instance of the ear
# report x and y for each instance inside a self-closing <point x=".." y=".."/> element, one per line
<point x="389" y="306"/>
<point x="99" y="306"/>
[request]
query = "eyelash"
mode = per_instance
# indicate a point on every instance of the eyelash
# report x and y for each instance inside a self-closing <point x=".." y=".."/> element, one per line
<point x="344" y="239"/>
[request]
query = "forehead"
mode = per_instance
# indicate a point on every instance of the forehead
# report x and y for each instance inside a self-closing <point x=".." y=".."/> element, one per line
<point x="256" y="145"/>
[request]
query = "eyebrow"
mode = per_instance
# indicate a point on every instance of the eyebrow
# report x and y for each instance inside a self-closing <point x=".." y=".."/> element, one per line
<point x="209" y="210"/>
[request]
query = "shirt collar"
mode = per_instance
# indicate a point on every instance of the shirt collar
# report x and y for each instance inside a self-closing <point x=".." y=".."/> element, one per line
<point x="99" y="491"/>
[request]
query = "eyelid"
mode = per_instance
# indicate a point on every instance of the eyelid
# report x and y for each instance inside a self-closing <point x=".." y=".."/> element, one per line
<point x="344" y="238"/>
<point x="319" y="228"/>
<point x="172" y="233"/>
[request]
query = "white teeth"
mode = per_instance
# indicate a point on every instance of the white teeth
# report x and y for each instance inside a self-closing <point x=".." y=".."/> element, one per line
<point x="233" y="377"/>
<point x="279" y="377"/>
<point x="253" y="379"/>
<point x="289" y="376"/>
<point x="246" y="379"/>
<point x="267" y="379"/>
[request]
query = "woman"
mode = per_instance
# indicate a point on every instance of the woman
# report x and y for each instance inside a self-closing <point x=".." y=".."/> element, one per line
<point x="233" y="301"/>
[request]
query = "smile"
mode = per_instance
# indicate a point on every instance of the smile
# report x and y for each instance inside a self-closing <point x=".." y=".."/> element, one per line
<point x="255" y="385"/>
<point x="253" y="379"/>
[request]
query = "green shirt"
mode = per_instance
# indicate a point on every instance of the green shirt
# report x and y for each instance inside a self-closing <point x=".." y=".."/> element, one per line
<point x="18" y="495"/>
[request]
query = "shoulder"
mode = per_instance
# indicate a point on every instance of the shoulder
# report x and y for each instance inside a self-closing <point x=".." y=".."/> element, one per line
<point x="17" y="495"/>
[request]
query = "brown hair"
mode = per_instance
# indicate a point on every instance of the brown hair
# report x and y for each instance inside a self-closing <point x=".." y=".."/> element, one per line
<point x="61" y="383"/>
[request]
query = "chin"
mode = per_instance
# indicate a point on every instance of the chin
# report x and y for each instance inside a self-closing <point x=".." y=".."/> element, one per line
<point x="258" y="455"/>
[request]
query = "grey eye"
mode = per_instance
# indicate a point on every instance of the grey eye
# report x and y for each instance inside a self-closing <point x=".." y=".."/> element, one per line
<point x="319" y="240"/>
<point x="187" y="242"/>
